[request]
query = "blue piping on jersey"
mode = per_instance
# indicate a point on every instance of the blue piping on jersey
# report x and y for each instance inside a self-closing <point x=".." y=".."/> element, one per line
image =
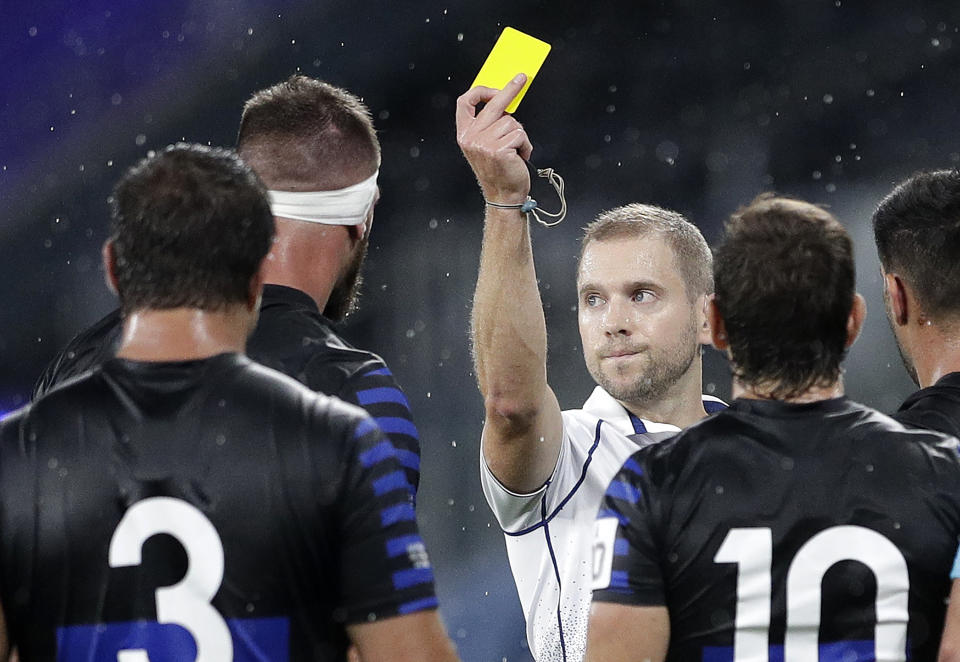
<point x="583" y="474"/>
<point x="379" y="371"/>
<point x="619" y="579"/>
<point x="623" y="491"/>
<point x="395" y="480"/>
<point x="363" y="427"/>
<point x="408" y="459"/>
<point x="398" y="546"/>
<point x="613" y="514"/>
<point x="372" y="396"/>
<point x="382" y="451"/>
<point x="402" y="512"/>
<point x="632" y="466"/>
<point x="418" y="605"/>
<point x="411" y="577"/>
<point x="638" y="426"/>
<point x="556" y="573"/>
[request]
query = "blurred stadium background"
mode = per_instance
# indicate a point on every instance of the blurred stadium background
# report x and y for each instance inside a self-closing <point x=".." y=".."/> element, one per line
<point x="697" y="105"/>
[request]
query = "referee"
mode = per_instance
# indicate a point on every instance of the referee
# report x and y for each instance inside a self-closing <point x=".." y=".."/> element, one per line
<point x="180" y="502"/>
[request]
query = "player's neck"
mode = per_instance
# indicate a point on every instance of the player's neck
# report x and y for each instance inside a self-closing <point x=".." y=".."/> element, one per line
<point x="681" y="405"/>
<point x="305" y="258"/>
<point x="184" y="334"/>
<point x="763" y="391"/>
<point x="937" y="354"/>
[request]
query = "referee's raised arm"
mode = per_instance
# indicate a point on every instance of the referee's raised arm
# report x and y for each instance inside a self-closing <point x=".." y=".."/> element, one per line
<point x="523" y="425"/>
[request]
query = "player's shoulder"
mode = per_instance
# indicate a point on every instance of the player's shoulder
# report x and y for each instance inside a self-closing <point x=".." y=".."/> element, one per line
<point x="294" y="336"/>
<point x="86" y="350"/>
<point x="749" y="424"/>
<point x="935" y="407"/>
<point x="67" y="405"/>
<point x="289" y="397"/>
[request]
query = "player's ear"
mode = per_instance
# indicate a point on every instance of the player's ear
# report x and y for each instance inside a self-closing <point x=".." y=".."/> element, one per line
<point x="858" y="313"/>
<point x="718" y="328"/>
<point x="109" y="265"/>
<point x="899" y="301"/>
<point x="703" y="321"/>
<point x="256" y="287"/>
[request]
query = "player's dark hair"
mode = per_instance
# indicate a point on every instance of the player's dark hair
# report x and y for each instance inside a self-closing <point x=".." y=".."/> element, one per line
<point x="690" y="249"/>
<point x="917" y="230"/>
<point x="190" y="227"/>
<point x="784" y="278"/>
<point x="304" y="134"/>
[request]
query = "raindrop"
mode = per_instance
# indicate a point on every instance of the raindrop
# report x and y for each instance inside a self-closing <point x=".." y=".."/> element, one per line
<point x="459" y="36"/>
<point x="32" y="31"/>
<point x="828" y="98"/>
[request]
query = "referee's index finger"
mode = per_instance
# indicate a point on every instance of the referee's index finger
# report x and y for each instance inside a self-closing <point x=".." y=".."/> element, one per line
<point x="497" y="104"/>
<point x="467" y="102"/>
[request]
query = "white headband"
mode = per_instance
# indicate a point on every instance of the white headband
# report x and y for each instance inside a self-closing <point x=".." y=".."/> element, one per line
<point x="345" y="206"/>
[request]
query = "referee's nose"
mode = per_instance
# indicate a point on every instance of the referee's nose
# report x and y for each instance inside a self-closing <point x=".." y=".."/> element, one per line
<point x="618" y="317"/>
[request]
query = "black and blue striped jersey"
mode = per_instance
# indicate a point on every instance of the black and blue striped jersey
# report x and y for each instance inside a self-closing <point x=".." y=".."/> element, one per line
<point x="936" y="407"/>
<point x="787" y="531"/>
<point x="292" y="336"/>
<point x="211" y="506"/>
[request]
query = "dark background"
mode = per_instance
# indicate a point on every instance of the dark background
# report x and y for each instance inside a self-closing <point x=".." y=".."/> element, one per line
<point x="694" y="105"/>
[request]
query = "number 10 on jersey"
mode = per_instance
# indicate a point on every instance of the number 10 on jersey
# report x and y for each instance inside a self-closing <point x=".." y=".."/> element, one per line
<point x="752" y="550"/>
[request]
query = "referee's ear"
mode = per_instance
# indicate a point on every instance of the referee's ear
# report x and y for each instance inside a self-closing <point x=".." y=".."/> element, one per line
<point x="109" y="265"/>
<point x="718" y="328"/>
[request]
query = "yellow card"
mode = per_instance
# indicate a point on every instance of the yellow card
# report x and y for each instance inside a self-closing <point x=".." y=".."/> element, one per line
<point x="514" y="53"/>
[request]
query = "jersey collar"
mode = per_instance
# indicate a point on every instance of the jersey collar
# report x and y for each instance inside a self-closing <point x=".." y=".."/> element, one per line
<point x="603" y="405"/>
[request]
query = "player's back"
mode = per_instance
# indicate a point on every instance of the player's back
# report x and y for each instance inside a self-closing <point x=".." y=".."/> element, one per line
<point x="799" y="526"/>
<point x="213" y="495"/>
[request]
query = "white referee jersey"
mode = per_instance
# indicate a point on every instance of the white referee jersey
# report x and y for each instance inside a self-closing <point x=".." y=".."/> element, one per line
<point x="549" y="533"/>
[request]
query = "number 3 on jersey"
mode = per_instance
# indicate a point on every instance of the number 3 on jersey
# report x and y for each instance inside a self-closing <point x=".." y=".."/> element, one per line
<point x="752" y="550"/>
<point x="186" y="603"/>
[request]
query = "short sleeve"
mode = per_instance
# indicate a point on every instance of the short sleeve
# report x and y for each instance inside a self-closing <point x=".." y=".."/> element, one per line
<point x="375" y="389"/>
<point x="626" y="561"/>
<point x="385" y="570"/>
<point x="516" y="512"/>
